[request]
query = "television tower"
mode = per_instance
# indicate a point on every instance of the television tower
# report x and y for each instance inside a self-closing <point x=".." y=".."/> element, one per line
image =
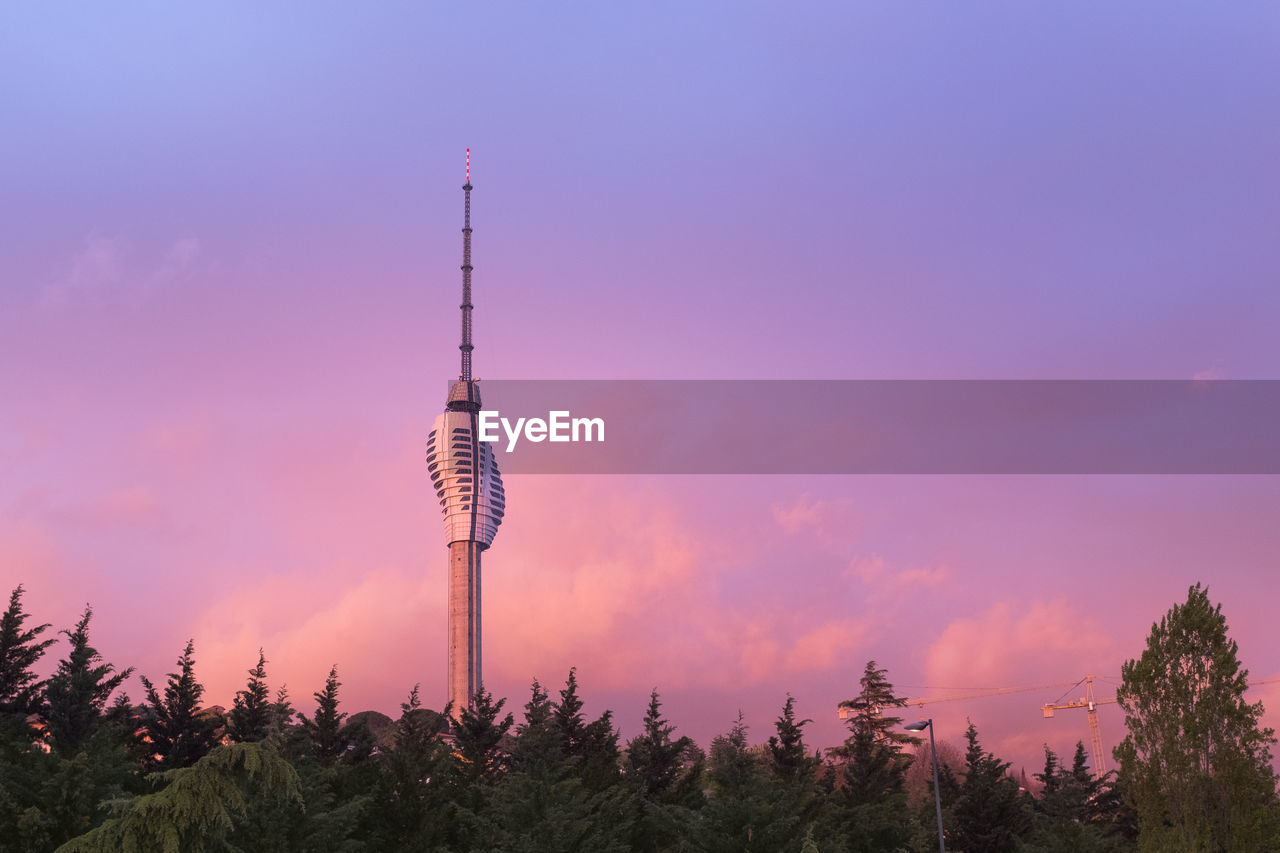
<point x="466" y="479"/>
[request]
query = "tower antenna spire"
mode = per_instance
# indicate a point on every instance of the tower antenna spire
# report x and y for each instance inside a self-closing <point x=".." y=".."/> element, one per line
<point x="465" y="346"/>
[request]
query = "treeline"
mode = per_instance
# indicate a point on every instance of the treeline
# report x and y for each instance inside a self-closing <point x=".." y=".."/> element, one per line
<point x="81" y="771"/>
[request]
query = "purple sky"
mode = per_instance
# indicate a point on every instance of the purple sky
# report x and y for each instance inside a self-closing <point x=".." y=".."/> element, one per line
<point x="228" y="288"/>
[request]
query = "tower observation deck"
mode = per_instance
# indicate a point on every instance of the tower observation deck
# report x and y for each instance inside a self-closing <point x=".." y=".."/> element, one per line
<point x="466" y="479"/>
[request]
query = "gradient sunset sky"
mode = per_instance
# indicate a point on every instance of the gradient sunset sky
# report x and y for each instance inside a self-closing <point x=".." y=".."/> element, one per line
<point x="229" y="280"/>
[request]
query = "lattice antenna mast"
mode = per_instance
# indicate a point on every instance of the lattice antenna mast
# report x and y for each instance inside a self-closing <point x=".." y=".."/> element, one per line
<point x="465" y="346"/>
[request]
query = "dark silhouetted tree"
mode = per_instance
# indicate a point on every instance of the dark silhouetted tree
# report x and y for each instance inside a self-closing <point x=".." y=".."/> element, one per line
<point x="20" y="690"/>
<point x="478" y="736"/>
<point x="657" y="760"/>
<point x="250" y="717"/>
<point x="180" y="733"/>
<point x="79" y="690"/>
<point x="990" y="813"/>
<point x="868" y="808"/>
<point x="788" y="758"/>
<point x="326" y="728"/>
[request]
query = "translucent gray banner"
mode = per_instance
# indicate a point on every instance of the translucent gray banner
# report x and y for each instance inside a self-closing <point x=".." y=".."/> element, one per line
<point x="884" y="427"/>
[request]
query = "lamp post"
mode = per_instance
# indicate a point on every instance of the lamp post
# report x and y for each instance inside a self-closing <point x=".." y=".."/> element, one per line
<point x="937" y="792"/>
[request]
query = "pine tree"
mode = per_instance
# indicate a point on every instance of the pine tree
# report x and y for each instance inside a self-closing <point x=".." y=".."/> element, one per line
<point x="989" y="813"/>
<point x="478" y="737"/>
<point x="282" y="712"/>
<point x="250" y="717"/>
<point x="180" y="733"/>
<point x="543" y="803"/>
<point x="657" y="760"/>
<point x="1196" y="763"/>
<point x="869" y="708"/>
<point x="411" y="791"/>
<point x="539" y="741"/>
<point x="567" y="714"/>
<point x="746" y="809"/>
<point x="789" y="760"/>
<point x="326" y="729"/>
<point x="79" y="690"/>
<point x="867" y="810"/>
<point x="20" y="691"/>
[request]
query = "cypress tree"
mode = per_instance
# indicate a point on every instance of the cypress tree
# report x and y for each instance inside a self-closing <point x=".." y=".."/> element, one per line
<point x="657" y="760"/>
<point x="250" y="717"/>
<point x="788" y="758"/>
<point x="79" y="690"/>
<point x="478" y="736"/>
<point x="989" y="812"/>
<point x="179" y="731"/>
<point x="19" y="650"/>
<point x="326" y="729"/>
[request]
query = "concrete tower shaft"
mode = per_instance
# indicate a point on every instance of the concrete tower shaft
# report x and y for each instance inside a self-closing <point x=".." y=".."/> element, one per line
<point x="466" y="479"/>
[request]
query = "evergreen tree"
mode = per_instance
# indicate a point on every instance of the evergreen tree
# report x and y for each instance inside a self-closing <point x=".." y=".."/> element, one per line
<point x="789" y="759"/>
<point x="658" y="761"/>
<point x="79" y="690"/>
<point x="746" y="809"/>
<point x="875" y="698"/>
<point x="328" y="735"/>
<point x="989" y="813"/>
<point x="478" y="737"/>
<point x="1067" y="815"/>
<point x="539" y="739"/>
<point x="194" y="810"/>
<point x="867" y="811"/>
<point x="567" y="714"/>
<point x="180" y="733"/>
<point x="666" y="773"/>
<point x="411" y="798"/>
<point x="19" y="650"/>
<point x="250" y="717"/>
<point x="1196" y="763"/>
<point x="543" y="803"/>
<point x="282" y="712"/>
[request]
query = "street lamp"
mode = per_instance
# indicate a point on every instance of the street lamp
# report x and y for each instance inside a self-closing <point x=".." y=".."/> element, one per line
<point x="937" y="792"/>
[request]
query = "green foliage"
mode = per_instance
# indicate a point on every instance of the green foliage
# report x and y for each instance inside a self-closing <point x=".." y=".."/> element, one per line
<point x="20" y="692"/>
<point x="194" y="810"/>
<point x="788" y="758"/>
<point x="478" y="737"/>
<point x="748" y="809"/>
<point x="178" y="731"/>
<point x="412" y="795"/>
<point x="330" y="739"/>
<point x="1196" y="764"/>
<point x="78" y="691"/>
<point x="990" y="813"/>
<point x="666" y="774"/>
<point x="545" y="803"/>
<point x="1072" y="812"/>
<point x="250" y="717"/>
<point x="658" y="762"/>
<point x="867" y="810"/>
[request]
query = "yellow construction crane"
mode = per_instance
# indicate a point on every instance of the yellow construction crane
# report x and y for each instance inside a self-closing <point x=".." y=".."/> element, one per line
<point x="972" y="693"/>
<point x="1090" y="703"/>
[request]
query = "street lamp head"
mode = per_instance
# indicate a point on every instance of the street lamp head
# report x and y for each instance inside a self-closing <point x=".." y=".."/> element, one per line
<point x="918" y="727"/>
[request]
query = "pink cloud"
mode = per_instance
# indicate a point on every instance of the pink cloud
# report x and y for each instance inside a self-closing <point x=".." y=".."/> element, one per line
<point x="1006" y="645"/>
<point x="826" y="645"/>
<point x="806" y="515"/>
